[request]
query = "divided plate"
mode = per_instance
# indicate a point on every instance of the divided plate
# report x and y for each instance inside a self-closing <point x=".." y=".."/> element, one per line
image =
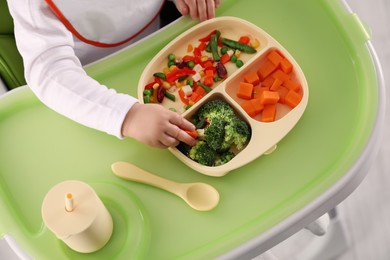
<point x="265" y="135"/>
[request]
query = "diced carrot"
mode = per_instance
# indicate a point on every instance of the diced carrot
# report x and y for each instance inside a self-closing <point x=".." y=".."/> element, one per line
<point x="225" y="58"/>
<point x="183" y="97"/>
<point x="267" y="82"/>
<point x="200" y="91"/>
<point x="269" y="97"/>
<point x="292" y="99"/>
<point x="249" y="108"/>
<point x="275" y="57"/>
<point x="286" y="66"/>
<point x="244" y="39"/>
<point x="257" y="105"/>
<point x="292" y="85"/>
<point x="275" y="85"/>
<point x="194" y="96"/>
<point x="209" y="73"/>
<point x="193" y="134"/>
<point x="208" y="81"/>
<point x="245" y="90"/>
<point x="279" y="74"/>
<point x="258" y="90"/>
<point x="190" y="48"/>
<point x="269" y="113"/>
<point x="266" y="69"/>
<point x="282" y="94"/>
<point x="252" y="78"/>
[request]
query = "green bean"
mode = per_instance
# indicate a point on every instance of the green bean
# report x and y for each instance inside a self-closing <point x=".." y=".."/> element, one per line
<point x="147" y="99"/>
<point x="214" y="47"/>
<point x="238" y="45"/>
<point x="160" y="75"/>
<point x="207" y="88"/>
<point x="170" y="96"/>
<point x="182" y="78"/>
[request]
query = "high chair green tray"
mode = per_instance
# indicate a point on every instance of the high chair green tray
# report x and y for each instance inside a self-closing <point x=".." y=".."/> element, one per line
<point x="316" y="166"/>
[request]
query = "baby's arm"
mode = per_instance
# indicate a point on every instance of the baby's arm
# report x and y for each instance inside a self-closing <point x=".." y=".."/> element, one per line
<point x="55" y="75"/>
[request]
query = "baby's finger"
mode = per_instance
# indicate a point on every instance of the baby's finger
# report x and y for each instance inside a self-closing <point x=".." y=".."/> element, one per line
<point x="182" y="7"/>
<point x="210" y="9"/>
<point x="202" y="10"/>
<point x="192" y="6"/>
<point x="169" y="141"/>
<point x="181" y="122"/>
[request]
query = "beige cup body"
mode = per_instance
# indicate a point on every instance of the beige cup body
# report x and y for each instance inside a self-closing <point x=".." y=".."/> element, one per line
<point x="95" y="236"/>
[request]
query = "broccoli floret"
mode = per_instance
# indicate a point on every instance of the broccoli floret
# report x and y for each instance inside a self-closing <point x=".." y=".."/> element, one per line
<point x="214" y="134"/>
<point x="215" y="109"/>
<point x="224" y="158"/>
<point x="202" y="153"/>
<point x="219" y="131"/>
<point x="237" y="132"/>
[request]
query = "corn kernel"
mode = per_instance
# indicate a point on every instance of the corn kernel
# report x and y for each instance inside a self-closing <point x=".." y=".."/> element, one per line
<point x="190" y="47"/>
<point x="191" y="102"/>
<point x="237" y="53"/>
<point x="255" y="43"/>
<point x="166" y="84"/>
<point x="156" y="85"/>
<point x="204" y="58"/>
<point x="166" y="70"/>
<point x="172" y="68"/>
<point x="178" y="84"/>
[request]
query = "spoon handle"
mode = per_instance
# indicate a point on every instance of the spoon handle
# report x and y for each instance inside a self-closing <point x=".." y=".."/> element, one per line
<point x="131" y="172"/>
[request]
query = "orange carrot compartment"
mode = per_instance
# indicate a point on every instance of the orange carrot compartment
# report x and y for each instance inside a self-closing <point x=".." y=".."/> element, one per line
<point x="268" y="89"/>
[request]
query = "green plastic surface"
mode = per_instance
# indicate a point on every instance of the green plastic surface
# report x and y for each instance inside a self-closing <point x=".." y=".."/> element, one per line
<point x="40" y="148"/>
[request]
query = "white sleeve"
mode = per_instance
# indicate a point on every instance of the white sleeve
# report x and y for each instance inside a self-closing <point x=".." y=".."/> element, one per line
<point x="55" y="74"/>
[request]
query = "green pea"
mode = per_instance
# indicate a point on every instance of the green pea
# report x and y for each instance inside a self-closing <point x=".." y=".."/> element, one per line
<point x="170" y="63"/>
<point x="171" y="56"/>
<point x="148" y="92"/>
<point x="190" y="64"/>
<point x="233" y="58"/>
<point x="239" y="63"/>
<point x="190" y="82"/>
<point x="224" y="49"/>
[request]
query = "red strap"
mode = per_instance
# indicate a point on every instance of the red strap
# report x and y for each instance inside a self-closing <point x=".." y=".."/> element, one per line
<point x="70" y="27"/>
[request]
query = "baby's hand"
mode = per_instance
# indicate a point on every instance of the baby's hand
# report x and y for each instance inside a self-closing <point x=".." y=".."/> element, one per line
<point x="202" y="9"/>
<point x="156" y="126"/>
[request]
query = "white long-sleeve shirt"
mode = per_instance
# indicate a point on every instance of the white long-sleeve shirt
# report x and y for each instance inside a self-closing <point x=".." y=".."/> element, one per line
<point x="53" y="60"/>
